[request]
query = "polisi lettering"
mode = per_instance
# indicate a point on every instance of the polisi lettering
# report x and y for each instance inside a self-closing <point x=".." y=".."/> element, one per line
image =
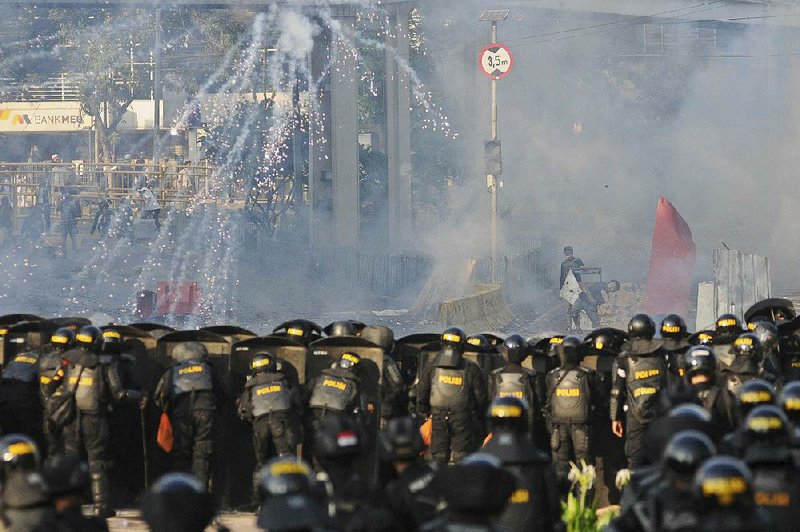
<point x="780" y="498"/>
<point x="26" y="360"/>
<point x="649" y="390"/>
<point x="518" y="395"/>
<point x="339" y="385"/>
<point x="568" y="392"/>
<point x="191" y="369"/>
<point x="448" y="379"/>
<point x="644" y="374"/>
<point x="521" y="496"/>
<point x="275" y="388"/>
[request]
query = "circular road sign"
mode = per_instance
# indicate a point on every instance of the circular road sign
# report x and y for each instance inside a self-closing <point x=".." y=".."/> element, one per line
<point x="495" y="61"/>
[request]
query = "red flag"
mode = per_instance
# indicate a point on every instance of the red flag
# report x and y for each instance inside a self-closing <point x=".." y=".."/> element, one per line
<point x="669" y="281"/>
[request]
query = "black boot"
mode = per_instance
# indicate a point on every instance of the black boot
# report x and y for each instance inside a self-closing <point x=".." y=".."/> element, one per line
<point x="100" y="495"/>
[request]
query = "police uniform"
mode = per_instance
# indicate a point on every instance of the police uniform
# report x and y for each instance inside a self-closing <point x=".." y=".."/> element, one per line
<point x="513" y="380"/>
<point x="95" y="385"/>
<point x="640" y="376"/>
<point x="186" y="392"/>
<point x="49" y="363"/>
<point x="452" y="391"/>
<point x="335" y="392"/>
<point x="571" y="393"/>
<point x="20" y="407"/>
<point x="270" y="401"/>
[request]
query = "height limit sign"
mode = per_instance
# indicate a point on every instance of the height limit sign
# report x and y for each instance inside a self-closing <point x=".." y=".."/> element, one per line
<point x="496" y="61"/>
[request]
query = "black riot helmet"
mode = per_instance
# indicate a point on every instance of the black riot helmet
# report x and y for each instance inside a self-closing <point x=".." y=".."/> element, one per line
<point x="342" y="328"/>
<point x="569" y="352"/>
<point x="18" y="452"/>
<point x="262" y="362"/>
<point x="723" y="483"/>
<point x="112" y="341"/>
<point x="63" y="339"/>
<point x="685" y="452"/>
<point x="508" y="413"/>
<point x="515" y="348"/>
<point x="177" y="501"/>
<point x="90" y="338"/>
<point x="348" y="361"/>
<point x="479" y="343"/>
<point x="729" y="325"/>
<point x="767" y="333"/>
<point x="690" y="412"/>
<point x="754" y="393"/>
<point x="553" y="344"/>
<point x="289" y="498"/>
<point x="747" y="347"/>
<point x="65" y="474"/>
<point x="789" y="400"/>
<point x="283" y="476"/>
<point x="702" y="338"/>
<point x="673" y="326"/>
<point x="454" y="338"/>
<point x="700" y="367"/>
<point x="400" y="440"/>
<point x="767" y="424"/>
<point x="642" y="326"/>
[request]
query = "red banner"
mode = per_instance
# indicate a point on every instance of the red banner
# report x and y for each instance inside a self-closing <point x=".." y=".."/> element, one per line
<point x="178" y="298"/>
<point x="669" y="281"/>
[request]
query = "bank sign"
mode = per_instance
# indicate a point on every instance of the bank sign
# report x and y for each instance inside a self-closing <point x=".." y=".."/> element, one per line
<point x="44" y="117"/>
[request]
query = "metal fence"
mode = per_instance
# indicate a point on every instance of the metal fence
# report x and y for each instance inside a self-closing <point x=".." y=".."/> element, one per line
<point x="519" y="270"/>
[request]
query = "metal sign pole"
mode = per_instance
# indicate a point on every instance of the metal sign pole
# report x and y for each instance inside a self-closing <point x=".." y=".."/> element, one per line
<point x="492" y="180"/>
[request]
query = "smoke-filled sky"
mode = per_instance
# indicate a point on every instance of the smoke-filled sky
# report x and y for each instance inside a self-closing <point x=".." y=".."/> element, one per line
<point x="596" y="123"/>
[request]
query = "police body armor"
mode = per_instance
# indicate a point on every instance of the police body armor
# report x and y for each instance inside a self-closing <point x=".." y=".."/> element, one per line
<point x="48" y="365"/>
<point x="89" y="392"/>
<point x="776" y="491"/>
<point x="511" y="384"/>
<point x="790" y="367"/>
<point x="449" y="390"/>
<point x="570" y="399"/>
<point x="24" y="368"/>
<point x="335" y="390"/>
<point x="723" y="354"/>
<point x="645" y="379"/>
<point x="191" y="376"/>
<point x="269" y="392"/>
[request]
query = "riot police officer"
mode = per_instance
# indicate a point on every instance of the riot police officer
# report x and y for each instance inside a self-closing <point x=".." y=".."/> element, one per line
<point x="640" y="377"/>
<point x="667" y="503"/>
<point x="289" y="498"/>
<point x="177" y="501"/>
<point x="746" y="352"/>
<point x="728" y="328"/>
<point x="337" y="392"/>
<point x="452" y="392"/>
<point x="394" y="395"/>
<point x="187" y="392"/>
<point x="767" y="333"/>
<point x="24" y="504"/>
<point x="751" y="394"/>
<point x="409" y="491"/>
<point x="535" y="504"/>
<point x="513" y="380"/>
<point x="776" y="477"/>
<point x="572" y="392"/>
<point x="789" y="400"/>
<point x="66" y="479"/>
<point x="700" y="377"/>
<point x="270" y="401"/>
<point x="94" y="385"/>
<point x="675" y="335"/>
<point x="20" y="406"/>
<point x="61" y="341"/>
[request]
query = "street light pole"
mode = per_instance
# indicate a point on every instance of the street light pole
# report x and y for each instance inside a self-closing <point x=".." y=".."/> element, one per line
<point x="157" y="89"/>
<point x="491" y="179"/>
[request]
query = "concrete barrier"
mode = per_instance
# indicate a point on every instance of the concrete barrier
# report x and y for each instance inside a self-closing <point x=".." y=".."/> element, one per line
<point x="484" y="309"/>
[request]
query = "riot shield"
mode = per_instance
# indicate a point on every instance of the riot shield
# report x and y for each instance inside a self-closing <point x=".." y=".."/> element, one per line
<point x="225" y="419"/>
<point x="231" y="333"/>
<point x="7" y="321"/>
<point x="494" y="338"/>
<point x="126" y="442"/>
<point x="23" y="336"/>
<point x="770" y="309"/>
<point x="358" y="326"/>
<point x="407" y="353"/>
<point x="370" y="372"/>
<point x="156" y="330"/>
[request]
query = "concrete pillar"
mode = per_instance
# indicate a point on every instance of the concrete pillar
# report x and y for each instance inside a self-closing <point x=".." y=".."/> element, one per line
<point x="398" y="127"/>
<point x="320" y="169"/>
<point x="344" y="132"/>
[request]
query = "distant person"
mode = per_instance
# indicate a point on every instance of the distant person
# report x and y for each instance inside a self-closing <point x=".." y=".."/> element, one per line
<point x="43" y="198"/>
<point x="6" y="219"/>
<point x="102" y="218"/>
<point x="152" y="209"/>
<point x="590" y="300"/>
<point x="35" y="156"/>
<point x="570" y="263"/>
<point x="70" y="211"/>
